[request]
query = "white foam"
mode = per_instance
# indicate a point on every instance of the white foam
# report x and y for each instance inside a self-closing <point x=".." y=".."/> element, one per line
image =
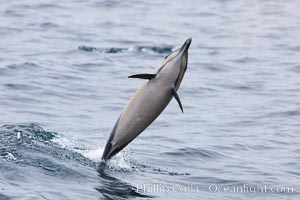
<point x="65" y="142"/>
<point x="9" y="157"/>
<point x="131" y="49"/>
<point x="18" y="135"/>
<point x="94" y="155"/>
<point x="118" y="162"/>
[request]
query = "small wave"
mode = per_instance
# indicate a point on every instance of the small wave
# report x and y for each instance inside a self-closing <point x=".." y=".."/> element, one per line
<point x="48" y="25"/>
<point x="296" y="69"/>
<point x="168" y="172"/>
<point x="246" y="60"/>
<point x="26" y="131"/>
<point x="280" y="114"/>
<point x="27" y="143"/>
<point x="4" y="197"/>
<point x="215" y="67"/>
<point x="294" y="48"/>
<point x="196" y="152"/>
<point x="239" y="86"/>
<point x="153" y="49"/>
<point x="101" y="50"/>
<point x="23" y="87"/>
<point x="9" y="69"/>
<point x="37" y="6"/>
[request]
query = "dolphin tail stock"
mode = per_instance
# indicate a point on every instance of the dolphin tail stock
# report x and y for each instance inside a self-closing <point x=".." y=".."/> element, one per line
<point x="108" y="151"/>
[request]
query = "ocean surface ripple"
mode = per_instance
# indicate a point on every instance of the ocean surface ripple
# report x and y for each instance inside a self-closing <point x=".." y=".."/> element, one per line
<point x="63" y="83"/>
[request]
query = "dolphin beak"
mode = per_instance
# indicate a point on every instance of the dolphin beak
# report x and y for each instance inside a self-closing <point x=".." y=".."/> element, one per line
<point x="184" y="48"/>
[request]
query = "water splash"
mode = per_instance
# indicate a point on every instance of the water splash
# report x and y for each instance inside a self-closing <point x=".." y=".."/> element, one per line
<point x="118" y="162"/>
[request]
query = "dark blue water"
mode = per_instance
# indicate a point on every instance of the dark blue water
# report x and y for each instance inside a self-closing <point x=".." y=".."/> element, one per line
<point x="63" y="83"/>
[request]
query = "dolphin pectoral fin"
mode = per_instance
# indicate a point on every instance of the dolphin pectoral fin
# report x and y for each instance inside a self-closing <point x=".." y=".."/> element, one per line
<point x="174" y="93"/>
<point x="143" y="76"/>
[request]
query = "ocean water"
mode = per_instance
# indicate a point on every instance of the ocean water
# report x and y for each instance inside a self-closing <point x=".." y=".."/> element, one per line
<point x="63" y="83"/>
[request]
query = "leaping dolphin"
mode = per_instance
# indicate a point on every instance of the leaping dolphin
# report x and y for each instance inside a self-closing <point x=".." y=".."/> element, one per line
<point x="149" y="101"/>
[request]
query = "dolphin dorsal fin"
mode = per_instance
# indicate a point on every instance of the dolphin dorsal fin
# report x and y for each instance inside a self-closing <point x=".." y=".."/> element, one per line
<point x="143" y="76"/>
<point x="174" y="93"/>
